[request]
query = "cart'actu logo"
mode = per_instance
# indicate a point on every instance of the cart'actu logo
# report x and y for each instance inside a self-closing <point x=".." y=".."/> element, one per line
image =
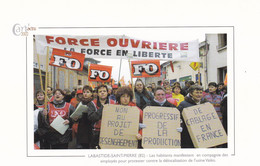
<point x="103" y="75"/>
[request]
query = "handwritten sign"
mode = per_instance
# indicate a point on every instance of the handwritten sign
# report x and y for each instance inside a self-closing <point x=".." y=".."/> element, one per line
<point x="161" y="127"/>
<point x="119" y="127"/>
<point x="204" y="126"/>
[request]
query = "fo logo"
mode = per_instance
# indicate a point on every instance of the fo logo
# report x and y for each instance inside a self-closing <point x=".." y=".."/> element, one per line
<point x="103" y="75"/>
<point x="66" y="62"/>
<point x="149" y="68"/>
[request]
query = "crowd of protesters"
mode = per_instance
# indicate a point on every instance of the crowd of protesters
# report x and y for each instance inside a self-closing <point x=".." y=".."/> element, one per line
<point x="84" y="131"/>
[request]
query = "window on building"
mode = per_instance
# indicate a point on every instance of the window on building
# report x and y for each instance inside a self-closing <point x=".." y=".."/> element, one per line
<point x="221" y="74"/>
<point x="222" y="41"/>
<point x="79" y="82"/>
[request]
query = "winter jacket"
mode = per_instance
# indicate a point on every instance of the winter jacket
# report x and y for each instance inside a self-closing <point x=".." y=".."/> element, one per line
<point x="186" y="141"/>
<point x="49" y="134"/>
<point x="215" y="100"/>
<point x="140" y="96"/>
<point x="94" y="112"/>
<point x="85" y="127"/>
<point x="178" y="97"/>
<point x="166" y="104"/>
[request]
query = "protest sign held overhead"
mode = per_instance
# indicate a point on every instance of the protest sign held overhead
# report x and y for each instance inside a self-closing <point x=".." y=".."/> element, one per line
<point x="161" y="127"/>
<point x="119" y="127"/>
<point x="204" y="126"/>
<point x="67" y="59"/>
<point x="147" y="68"/>
<point x="119" y="46"/>
<point x="99" y="73"/>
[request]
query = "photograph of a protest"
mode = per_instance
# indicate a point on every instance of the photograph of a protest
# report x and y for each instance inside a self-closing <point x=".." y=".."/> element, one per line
<point x="165" y="93"/>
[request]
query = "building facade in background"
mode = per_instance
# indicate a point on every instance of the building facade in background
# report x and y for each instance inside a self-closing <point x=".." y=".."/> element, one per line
<point x="213" y="64"/>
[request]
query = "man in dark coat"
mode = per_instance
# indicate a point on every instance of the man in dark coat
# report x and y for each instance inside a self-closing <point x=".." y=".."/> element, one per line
<point x="195" y="97"/>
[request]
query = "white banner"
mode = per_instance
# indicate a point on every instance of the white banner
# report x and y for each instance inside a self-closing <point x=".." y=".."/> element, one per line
<point x="119" y="46"/>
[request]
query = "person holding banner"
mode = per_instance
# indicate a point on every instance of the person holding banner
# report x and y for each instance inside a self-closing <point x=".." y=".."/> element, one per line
<point x="124" y="96"/>
<point x="142" y="96"/>
<point x="58" y="107"/>
<point x="94" y="112"/>
<point x="195" y="97"/>
<point x="84" y="125"/>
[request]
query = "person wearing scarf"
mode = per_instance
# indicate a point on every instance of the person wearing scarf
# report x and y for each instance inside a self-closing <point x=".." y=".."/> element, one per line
<point x="57" y="107"/>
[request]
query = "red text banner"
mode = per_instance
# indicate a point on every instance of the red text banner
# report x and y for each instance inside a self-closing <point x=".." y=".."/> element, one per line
<point x="99" y="73"/>
<point x="119" y="46"/>
<point x="147" y="68"/>
<point x="67" y="59"/>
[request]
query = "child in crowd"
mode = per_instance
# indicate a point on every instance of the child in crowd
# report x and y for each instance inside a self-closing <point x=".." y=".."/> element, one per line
<point x="168" y="91"/>
<point x="177" y="94"/>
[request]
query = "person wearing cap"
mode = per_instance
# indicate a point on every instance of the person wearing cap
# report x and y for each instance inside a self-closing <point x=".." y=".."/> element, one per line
<point x="74" y="101"/>
<point x="214" y="98"/>
<point x="95" y="109"/>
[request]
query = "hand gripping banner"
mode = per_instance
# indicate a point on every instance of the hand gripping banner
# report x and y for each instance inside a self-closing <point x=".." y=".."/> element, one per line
<point x="147" y="68"/>
<point x="67" y="59"/>
<point x="99" y="73"/>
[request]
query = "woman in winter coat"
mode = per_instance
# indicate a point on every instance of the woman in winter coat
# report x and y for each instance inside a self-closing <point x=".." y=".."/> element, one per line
<point x="84" y="125"/>
<point x="57" y="107"/>
<point x="142" y="96"/>
<point x="95" y="109"/>
<point x="39" y="99"/>
<point x="124" y="96"/>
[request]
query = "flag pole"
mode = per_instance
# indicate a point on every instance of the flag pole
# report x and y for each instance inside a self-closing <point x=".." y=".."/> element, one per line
<point x="133" y="89"/>
<point x="46" y="79"/>
<point x="199" y="73"/>
<point x="38" y="58"/>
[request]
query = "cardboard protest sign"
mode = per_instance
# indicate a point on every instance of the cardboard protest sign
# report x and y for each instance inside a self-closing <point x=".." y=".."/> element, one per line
<point x="99" y="73"/>
<point x="161" y="127"/>
<point x="119" y="127"/>
<point x="67" y="59"/>
<point x="118" y="46"/>
<point x="204" y="126"/>
<point x="147" y="68"/>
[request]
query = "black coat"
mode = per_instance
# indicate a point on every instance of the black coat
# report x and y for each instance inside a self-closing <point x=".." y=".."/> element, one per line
<point x="51" y="135"/>
<point x="166" y="104"/>
<point x="186" y="141"/>
<point x="223" y="109"/>
<point x="84" y="128"/>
